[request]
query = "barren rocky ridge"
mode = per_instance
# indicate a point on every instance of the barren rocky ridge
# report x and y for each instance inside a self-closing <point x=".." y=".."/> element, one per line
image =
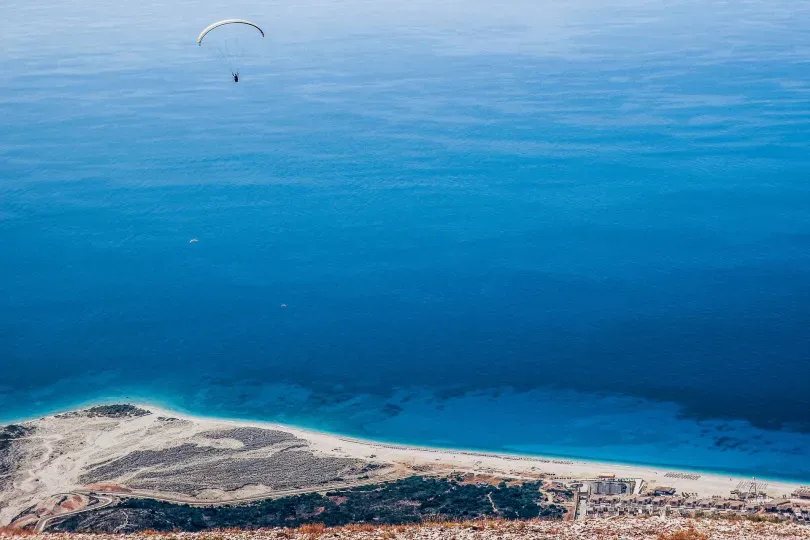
<point x="624" y="529"/>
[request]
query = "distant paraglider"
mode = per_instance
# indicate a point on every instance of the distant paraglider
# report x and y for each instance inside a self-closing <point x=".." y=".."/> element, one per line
<point x="228" y="41"/>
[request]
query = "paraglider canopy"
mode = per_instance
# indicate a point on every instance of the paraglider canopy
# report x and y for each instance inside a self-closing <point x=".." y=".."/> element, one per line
<point x="223" y="23"/>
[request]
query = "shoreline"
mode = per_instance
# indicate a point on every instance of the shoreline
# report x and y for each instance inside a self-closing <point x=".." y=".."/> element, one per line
<point x="557" y="465"/>
<point x="512" y="456"/>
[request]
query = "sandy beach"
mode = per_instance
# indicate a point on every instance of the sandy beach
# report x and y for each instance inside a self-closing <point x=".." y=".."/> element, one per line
<point x="152" y="454"/>
<point x="706" y="485"/>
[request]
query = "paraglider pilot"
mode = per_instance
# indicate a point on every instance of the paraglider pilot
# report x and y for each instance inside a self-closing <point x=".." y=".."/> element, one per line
<point x="235" y="77"/>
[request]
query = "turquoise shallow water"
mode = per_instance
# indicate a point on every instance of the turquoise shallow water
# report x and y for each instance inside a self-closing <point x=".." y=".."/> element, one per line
<point x="576" y="229"/>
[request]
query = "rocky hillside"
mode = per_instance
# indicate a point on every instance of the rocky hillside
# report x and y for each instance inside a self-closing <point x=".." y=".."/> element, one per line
<point x="625" y="528"/>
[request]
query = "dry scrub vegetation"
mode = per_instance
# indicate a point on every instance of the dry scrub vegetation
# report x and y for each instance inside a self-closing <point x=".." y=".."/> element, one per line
<point x="625" y="529"/>
<point x="684" y="534"/>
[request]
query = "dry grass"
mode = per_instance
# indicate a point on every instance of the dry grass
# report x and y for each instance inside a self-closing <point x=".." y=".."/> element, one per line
<point x="361" y="527"/>
<point x="764" y="518"/>
<point x="312" y="530"/>
<point x="627" y="529"/>
<point x="316" y="530"/>
<point x="684" y="534"/>
<point x="6" y="531"/>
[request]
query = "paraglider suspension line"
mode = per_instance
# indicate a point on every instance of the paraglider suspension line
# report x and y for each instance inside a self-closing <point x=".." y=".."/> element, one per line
<point x="225" y="54"/>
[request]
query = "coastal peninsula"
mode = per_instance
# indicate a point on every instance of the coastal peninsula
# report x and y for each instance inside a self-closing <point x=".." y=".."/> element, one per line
<point x="130" y="468"/>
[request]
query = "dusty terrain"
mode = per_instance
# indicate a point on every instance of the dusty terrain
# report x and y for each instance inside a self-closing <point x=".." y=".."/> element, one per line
<point x="55" y="464"/>
<point x="624" y="528"/>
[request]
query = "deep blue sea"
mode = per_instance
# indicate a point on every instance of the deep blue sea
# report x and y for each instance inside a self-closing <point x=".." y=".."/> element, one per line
<point x="572" y="228"/>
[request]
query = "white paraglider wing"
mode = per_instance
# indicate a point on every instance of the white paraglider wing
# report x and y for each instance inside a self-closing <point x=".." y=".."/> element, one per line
<point x="223" y="23"/>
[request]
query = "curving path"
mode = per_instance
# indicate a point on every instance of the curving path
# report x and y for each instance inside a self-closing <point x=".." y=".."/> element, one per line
<point x="104" y="500"/>
<point x="110" y="497"/>
<point x="223" y="502"/>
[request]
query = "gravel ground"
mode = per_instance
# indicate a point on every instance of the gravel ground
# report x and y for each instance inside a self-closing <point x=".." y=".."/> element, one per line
<point x="189" y="468"/>
<point x="282" y="470"/>
<point x="627" y="528"/>
<point x="252" y="437"/>
<point x="11" y="443"/>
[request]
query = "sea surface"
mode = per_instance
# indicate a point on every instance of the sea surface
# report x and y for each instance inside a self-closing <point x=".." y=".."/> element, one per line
<point x="565" y="228"/>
